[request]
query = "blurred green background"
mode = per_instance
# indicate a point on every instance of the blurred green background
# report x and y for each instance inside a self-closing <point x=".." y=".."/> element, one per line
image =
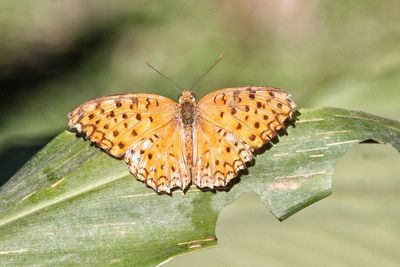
<point x="56" y="54"/>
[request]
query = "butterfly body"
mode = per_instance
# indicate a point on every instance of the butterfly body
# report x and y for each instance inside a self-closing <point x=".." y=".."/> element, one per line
<point x="168" y="144"/>
<point x="188" y="114"/>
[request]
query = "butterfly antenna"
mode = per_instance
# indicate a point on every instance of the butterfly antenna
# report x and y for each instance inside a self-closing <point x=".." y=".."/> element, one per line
<point x="159" y="72"/>
<point x="208" y="70"/>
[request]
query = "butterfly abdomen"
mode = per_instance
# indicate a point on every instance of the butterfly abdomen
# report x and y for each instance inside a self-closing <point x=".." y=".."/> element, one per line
<point x="188" y="136"/>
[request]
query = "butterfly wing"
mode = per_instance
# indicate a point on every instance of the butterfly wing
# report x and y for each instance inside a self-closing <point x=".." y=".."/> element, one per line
<point x="236" y="121"/>
<point x="159" y="159"/>
<point x="115" y="123"/>
<point x="219" y="155"/>
<point x="144" y="128"/>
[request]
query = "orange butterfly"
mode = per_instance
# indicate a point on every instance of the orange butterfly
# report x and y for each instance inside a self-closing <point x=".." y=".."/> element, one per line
<point x="168" y="144"/>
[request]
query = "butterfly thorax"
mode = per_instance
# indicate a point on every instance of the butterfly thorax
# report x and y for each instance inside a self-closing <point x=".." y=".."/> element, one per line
<point x="187" y="109"/>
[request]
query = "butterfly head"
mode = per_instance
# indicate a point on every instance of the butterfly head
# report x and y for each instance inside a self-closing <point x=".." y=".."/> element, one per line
<point x="187" y="96"/>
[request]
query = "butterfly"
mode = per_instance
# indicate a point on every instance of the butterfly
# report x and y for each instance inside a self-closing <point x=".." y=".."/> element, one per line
<point x="168" y="144"/>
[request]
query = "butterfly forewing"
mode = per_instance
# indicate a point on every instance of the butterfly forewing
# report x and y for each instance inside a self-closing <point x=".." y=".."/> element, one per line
<point x="254" y="114"/>
<point x="114" y="123"/>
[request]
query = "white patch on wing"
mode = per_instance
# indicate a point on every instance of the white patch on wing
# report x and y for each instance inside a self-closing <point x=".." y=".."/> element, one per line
<point x="146" y="144"/>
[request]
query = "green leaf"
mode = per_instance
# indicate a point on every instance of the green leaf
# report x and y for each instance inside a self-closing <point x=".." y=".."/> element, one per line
<point x="74" y="204"/>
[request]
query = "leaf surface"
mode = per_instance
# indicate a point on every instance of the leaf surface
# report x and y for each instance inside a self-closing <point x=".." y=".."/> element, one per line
<point x="74" y="204"/>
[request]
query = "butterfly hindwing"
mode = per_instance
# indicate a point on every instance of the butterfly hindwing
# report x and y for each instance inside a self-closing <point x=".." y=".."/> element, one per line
<point x="219" y="156"/>
<point x="159" y="159"/>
